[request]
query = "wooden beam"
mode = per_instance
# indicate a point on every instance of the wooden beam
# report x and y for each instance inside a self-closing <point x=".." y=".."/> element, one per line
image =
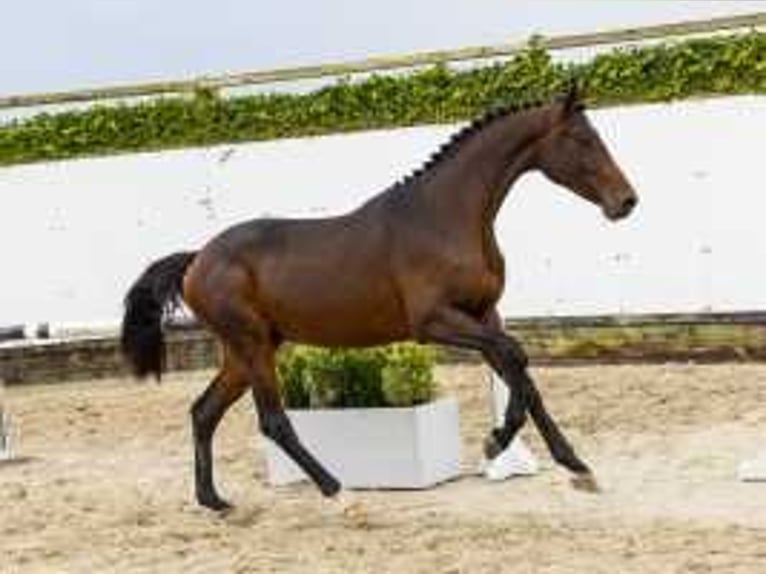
<point x="703" y="337"/>
<point x="383" y="63"/>
<point x="639" y="339"/>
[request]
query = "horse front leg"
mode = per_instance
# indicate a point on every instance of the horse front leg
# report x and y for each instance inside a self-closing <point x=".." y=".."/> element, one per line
<point x="453" y="327"/>
<point x="512" y="366"/>
<point x="506" y="356"/>
<point x="518" y="378"/>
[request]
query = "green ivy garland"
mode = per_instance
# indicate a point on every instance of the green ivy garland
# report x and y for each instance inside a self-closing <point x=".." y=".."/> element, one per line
<point x="660" y="72"/>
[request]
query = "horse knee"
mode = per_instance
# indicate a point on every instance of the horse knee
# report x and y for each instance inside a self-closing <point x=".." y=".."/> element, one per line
<point x="510" y="357"/>
<point x="517" y="353"/>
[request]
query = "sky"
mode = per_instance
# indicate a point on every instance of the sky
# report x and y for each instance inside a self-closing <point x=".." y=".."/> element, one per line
<point x="49" y="45"/>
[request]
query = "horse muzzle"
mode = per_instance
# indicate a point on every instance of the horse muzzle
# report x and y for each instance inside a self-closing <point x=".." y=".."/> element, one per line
<point x="621" y="209"/>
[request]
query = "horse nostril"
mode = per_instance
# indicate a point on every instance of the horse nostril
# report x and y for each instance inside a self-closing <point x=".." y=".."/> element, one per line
<point x="621" y="208"/>
<point x="629" y="203"/>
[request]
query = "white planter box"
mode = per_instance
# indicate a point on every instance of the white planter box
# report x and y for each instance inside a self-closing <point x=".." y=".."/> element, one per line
<point x="499" y="395"/>
<point x="414" y="447"/>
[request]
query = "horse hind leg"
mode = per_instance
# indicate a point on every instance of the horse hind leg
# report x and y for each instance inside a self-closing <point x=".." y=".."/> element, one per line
<point x="275" y="424"/>
<point x="206" y="412"/>
<point x="253" y="350"/>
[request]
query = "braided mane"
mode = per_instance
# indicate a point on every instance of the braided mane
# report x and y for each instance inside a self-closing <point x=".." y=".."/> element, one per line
<point x="453" y="146"/>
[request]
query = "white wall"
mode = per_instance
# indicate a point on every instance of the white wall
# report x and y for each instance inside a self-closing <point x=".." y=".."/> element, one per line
<point x="73" y="235"/>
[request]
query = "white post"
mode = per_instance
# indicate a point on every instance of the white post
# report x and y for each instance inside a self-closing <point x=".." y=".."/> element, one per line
<point x="6" y="446"/>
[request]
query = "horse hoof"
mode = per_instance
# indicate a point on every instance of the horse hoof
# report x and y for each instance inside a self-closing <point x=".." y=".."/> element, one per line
<point x="492" y="448"/>
<point x="585" y="482"/>
<point x="330" y="488"/>
<point x="215" y="503"/>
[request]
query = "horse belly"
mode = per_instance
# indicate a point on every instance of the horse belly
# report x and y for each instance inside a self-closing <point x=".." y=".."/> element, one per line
<point x="337" y="310"/>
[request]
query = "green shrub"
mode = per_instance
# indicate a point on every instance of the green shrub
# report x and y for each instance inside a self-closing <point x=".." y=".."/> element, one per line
<point x="657" y="72"/>
<point x="407" y="377"/>
<point x="393" y="376"/>
<point x="291" y="366"/>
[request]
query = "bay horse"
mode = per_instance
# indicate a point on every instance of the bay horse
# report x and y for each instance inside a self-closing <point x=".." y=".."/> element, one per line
<point x="419" y="261"/>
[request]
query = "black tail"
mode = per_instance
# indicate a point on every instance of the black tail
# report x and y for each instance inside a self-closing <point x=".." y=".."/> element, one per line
<point x="159" y="290"/>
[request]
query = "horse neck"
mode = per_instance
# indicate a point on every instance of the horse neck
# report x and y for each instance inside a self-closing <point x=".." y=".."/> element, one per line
<point x="471" y="186"/>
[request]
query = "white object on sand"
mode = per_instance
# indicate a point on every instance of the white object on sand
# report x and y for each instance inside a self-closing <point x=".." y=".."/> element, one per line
<point x="6" y="450"/>
<point x="754" y="469"/>
<point x="516" y="460"/>
<point x="6" y="446"/>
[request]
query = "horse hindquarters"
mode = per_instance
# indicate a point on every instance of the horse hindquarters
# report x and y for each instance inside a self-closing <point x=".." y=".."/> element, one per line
<point x="225" y="298"/>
